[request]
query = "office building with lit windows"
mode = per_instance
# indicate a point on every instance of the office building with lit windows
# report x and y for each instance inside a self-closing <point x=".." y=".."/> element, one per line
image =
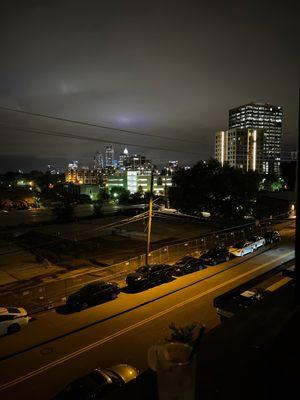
<point x="241" y="148"/>
<point x="135" y="180"/>
<point x="123" y="159"/>
<point x="81" y="176"/>
<point x="98" y="161"/>
<point x="265" y="117"/>
<point x="109" y="156"/>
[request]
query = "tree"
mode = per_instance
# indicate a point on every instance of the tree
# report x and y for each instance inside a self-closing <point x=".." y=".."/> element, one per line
<point x="226" y="192"/>
<point x="138" y="196"/>
<point x="103" y="195"/>
<point x="97" y="208"/>
<point x="288" y="173"/>
<point x="84" y="199"/>
<point x="272" y="183"/>
<point x="120" y="194"/>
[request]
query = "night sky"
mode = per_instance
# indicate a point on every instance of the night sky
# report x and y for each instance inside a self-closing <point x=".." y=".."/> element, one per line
<point x="169" y="68"/>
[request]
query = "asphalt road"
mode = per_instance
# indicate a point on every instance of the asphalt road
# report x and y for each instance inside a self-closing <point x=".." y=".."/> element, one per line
<point x="55" y="348"/>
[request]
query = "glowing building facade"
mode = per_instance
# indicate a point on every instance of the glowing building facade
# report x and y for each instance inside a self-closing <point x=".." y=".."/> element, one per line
<point x="241" y="148"/>
<point x="268" y="118"/>
<point x="109" y="156"/>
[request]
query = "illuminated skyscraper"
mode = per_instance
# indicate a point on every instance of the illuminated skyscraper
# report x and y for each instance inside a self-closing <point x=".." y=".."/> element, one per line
<point x="173" y="166"/>
<point x="123" y="159"/>
<point x="98" y="161"/>
<point x="241" y="148"/>
<point x="268" y="118"/>
<point x="109" y="156"/>
<point x="73" y="166"/>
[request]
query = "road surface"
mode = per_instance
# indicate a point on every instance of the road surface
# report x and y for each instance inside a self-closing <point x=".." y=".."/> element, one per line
<point x="55" y="349"/>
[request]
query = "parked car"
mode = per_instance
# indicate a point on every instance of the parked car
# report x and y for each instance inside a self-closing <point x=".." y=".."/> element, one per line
<point x="187" y="265"/>
<point x="272" y="237"/>
<point x="228" y="307"/>
<point x="215" y="256"/>
<point x="12" y="319"/>
<point x="149" y="275"/>
<point x="92" y="294"/>
<point x="99" y="383"/>
<point x="257" y="241"/>
<point x="241" y="248"/>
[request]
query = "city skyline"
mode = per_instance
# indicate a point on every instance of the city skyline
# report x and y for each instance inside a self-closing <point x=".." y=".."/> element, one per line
<point x="149" y="200"/>
<point x="168" y="83"/>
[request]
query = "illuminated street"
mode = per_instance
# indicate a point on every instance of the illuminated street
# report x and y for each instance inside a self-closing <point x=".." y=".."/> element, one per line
<point x="125" y="337"/>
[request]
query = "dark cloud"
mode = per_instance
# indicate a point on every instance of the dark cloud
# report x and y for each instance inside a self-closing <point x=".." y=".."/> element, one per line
<point x="165" y="67"/>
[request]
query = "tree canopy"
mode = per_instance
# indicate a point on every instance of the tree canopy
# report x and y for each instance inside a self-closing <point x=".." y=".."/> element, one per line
<point x="119" y="194"/>
<point x="225" y="192"/>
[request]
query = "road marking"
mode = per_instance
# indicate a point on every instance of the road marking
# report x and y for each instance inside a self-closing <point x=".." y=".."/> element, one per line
<point x="100" y="342"/>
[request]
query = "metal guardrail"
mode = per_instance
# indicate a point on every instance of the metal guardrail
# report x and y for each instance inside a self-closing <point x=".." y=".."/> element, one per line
<point x="46" y="296"/>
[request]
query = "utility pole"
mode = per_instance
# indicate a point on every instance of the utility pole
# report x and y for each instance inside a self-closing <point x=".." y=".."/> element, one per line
<point x="150" y="217"/>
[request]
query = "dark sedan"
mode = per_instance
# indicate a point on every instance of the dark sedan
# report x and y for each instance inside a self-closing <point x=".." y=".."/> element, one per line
<point x="187" y="265"/>
<point x="272" y="237"/>
<point x="92" y="294"/>
<point x="99" y="383"/>
<point x="149" y="275"/>
<point x="215" y="256"/>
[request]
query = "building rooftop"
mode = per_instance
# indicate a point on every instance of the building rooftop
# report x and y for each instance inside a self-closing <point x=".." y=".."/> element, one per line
<point x="256" y="104"/>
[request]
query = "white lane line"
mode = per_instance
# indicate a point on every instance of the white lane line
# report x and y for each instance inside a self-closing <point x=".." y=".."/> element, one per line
<point x="131" y="327"/>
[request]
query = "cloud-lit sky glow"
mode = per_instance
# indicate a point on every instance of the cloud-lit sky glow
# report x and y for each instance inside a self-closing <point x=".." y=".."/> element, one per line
<point x="170" y="68"/>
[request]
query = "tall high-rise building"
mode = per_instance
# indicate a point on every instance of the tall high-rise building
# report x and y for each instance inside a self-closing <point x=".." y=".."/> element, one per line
<point x="73" y="166"/>
<point x="98" y="161"/>
<point x="123" y="159"/>
<point x="268" y="118"/>
<point x="241" y="148"/>
<point x="109" y="156"/>
<point x="139" y="162"/>
<point x="173" y="166"/>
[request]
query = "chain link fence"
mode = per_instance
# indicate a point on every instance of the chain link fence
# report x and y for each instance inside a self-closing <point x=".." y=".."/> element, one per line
<point x="49" y="295"/>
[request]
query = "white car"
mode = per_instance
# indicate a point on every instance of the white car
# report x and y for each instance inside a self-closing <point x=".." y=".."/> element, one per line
<point x="12" y="319"/>
<point x="257" y="241"/>
<point x="241" y="248"/>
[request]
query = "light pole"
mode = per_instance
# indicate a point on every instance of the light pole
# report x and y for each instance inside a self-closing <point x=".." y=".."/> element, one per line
<point x="150" y="218"/>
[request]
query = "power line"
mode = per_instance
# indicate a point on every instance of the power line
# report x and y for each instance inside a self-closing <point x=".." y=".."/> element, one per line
<point x="140" y="217"/>
<point x="47" y="132"/>
<point x="116" y="224"/>
<point x="101" y="126"/>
